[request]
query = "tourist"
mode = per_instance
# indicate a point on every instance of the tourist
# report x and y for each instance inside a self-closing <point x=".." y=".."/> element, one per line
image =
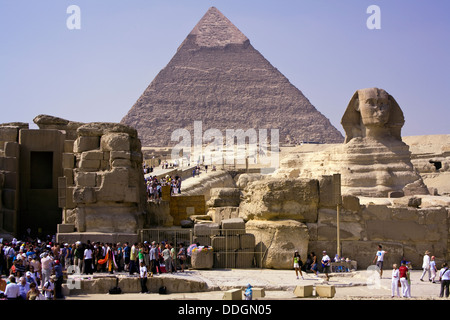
<point x="379" y="258"/>
<point x="154" y="259"/>
<point x="49" y="288"/>
<point x="395" y="281"/>
<point x="403" y="274"/>
<point x="126" y="256"/>
<point x="326" y="262"/>
<point x="33" y="293"/>
<point x="68" y="256"/>
<point x="248" y="294"/>
<point x="2" y="259"/>
<point x="173" y="256"/>
<point x="24" y="287"/>
<point x="2" y="284"/>
<point x="143" y="277"/>
<point x="12" y="290"/>
<point x="426" y="266"/>
<point x="30" y="277"/>
<point x="298" y="264"/>
<point x="133" y="257"/>
<point x="167" y="258"/>
<point x="409" y="266"/>
<point x="118" y="253"/>
<point x="87" y="259"/>
<point x="47" y="267"/>
<point x="314" y="267"/>
<point x="58" y="279"/>
<point x="433" y="269"/>
<point x="181" y="255"/>
<point x="146" y="254"/>
<point x="444" y="277"/>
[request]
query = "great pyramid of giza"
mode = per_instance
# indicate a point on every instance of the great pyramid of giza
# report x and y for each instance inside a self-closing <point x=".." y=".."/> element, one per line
<point x="218" y="78"/>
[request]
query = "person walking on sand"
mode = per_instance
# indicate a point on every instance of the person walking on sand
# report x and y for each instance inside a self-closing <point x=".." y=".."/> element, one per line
<point x="326" y="262"/>
<point x="314" y="263"/>
<point x="433" y="269"/>
<point x="426" y="266"/>
<point x="403" y="274"/>
<point x="298" y="264"/>
<point x="379" y="258"/>
<point x="395" y="281"/>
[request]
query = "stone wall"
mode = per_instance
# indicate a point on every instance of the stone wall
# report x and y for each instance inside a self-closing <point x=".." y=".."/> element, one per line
<point x="301" y="214"/>
<point x="104" y="183"/>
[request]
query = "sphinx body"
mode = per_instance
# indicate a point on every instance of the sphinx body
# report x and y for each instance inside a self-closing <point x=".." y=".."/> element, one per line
<point x="373" y="161"/>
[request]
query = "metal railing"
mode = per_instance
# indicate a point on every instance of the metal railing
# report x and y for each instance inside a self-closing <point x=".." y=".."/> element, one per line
<point x="231" y="248"/>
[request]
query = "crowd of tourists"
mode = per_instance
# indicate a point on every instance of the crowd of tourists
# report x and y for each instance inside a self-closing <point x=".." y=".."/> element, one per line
<point x="154" y="186"/>
<point x="35" y="269"/>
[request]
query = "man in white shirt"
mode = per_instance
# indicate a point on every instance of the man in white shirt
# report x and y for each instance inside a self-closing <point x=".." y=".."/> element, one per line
<point x="88" y="260"/>
<point x="49" y="288"/>
<point x="444" y="275"/>
<point x="395" y="280"/>
<point x="379" y="257"/>
<point x="326" y="263"/>
<point x="47" y="267"/>
<point x="426" y="266"/>
<point x="12" y="290"/>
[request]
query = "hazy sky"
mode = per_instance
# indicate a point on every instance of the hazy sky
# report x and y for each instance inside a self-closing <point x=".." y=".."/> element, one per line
<point x="323" y="47"/>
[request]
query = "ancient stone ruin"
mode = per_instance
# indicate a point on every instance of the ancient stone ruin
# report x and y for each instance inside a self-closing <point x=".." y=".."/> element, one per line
<point x="219" y="78"/>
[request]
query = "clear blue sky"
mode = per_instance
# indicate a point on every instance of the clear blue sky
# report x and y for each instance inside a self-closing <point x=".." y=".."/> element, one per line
<point x="323" y="47"/>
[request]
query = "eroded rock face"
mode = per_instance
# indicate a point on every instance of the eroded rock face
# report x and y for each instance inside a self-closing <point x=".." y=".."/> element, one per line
<point x="276" y="241"/>
<point x="373" y="161"/>
<point x="107" y="193"/>
<point x="272" y="199"/>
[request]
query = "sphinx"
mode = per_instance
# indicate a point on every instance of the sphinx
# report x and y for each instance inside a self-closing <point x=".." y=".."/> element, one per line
<point x="373" y="160"/>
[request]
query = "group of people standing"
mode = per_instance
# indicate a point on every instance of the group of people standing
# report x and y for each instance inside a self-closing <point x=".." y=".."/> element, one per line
<point x="154" y="186"/>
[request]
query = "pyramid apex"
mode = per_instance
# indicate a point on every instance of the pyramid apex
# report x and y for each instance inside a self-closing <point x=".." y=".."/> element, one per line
<point x="215" y="30"/>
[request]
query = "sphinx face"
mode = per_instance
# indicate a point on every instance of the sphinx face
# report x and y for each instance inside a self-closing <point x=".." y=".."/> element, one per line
<point x="374" y="107"/>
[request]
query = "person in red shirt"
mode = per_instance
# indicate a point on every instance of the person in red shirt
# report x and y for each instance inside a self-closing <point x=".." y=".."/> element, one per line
<point x="403" y="274"/>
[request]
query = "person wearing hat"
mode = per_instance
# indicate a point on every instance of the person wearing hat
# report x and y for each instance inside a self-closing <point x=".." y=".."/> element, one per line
<point x="326" y="262"/>
<point x="46" y="267"/>
<point x="426" y="266"/>
<point x="49" y="288"/>
<point x="29" y="277"/>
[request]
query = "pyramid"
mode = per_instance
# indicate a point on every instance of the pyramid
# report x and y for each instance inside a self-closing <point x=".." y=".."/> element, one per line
<point x="218" y="78"/>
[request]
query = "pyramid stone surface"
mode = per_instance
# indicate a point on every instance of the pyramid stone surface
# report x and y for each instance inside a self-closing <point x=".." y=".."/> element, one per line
<point x="217" y="77"/>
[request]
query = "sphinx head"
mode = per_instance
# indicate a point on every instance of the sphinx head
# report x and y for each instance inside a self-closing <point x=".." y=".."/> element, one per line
<point x="372" y="113"/>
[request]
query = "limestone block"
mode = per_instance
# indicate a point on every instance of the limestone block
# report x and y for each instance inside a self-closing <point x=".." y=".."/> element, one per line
<point x="9" y="199"/>
<point x="247" y="241"/>
<point x="84" y="195"/>
<point x="351" y="203"/>
<point x="233" y="226"/>
<point x="2" y="180"/>
<point x="114" y="185"/>
<point x="225" y="259"/>
<point x="121" y="163"/>
<point x="68" y="146"/>
<point x="9" y="134"/>
<point x="92" y="155"/>
<point x="10" y="180"/>
<point x="12" y="149"/>
<point x="272" y="199"/>
<point x="86" y="143"/>
<point x="221" y="213"/>
<point x="221" y="243"/>
<point x="224" y="197"/>
<point x="65" y="228"/>
<point x="111" y="219"/>
<point x="206" y="229"/>
<point x="278" y="240"/>
<point x="202" y="259"/>
<point x="89" y="165"/>
<point x="233" y="294"/>
<point x="85" y="179"/>
<point x="258" y="293"/>
<point x="68" y="173"/>
<point x="115" y="142"/>
<point x="188" y="223"/>
<point x="325" y="291"/>
<point x="120" y="155"/>
<point x="245" y="258"/>
<point x="202" y="240"/>
<point x="10" y="164"/>
<point x="303" y="291"/>
<point x="68" y="160"/>
<point x="326" y="191"/>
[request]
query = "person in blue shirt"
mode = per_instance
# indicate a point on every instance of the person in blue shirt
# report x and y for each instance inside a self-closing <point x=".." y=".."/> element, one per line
<point x="24" y="287"/>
